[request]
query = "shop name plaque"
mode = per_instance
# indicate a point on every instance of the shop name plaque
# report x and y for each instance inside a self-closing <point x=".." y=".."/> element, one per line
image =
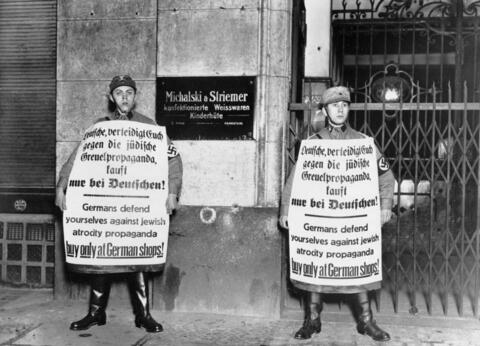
<point x="203" y="108"/>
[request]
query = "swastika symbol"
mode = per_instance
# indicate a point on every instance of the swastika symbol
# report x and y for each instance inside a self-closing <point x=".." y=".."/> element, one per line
<point x="383" y="164"/>
<point x="172" y="151"/>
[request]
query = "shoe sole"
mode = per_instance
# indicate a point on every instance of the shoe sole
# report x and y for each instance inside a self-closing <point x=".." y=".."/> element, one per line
<point x="150" y="330"/>
<point x="139" y="325"/>
<point x="300" y="338"/>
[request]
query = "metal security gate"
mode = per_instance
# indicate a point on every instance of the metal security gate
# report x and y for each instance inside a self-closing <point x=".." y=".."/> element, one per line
<point x="412" y="68"/>
<point x="431" y="247"/>
<point x="28" y="31"/>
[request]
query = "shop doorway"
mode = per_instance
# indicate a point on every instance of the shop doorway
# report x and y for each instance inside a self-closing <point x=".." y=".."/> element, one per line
<point x="413" y="71"/>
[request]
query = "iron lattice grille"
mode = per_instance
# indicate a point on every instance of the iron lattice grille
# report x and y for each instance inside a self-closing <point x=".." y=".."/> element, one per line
<point x="299" y="123"/>
<point x="431" y="137"/>
<point x="435" y="42"/>
<point x="431" y="247"/>
<point x="27" y="253"/>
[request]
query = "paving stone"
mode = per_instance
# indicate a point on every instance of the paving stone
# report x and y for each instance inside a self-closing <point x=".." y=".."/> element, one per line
<point x="31" y="318"/>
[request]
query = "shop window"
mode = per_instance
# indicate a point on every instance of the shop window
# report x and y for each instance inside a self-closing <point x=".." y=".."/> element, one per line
<point x="35" y="231"/>
<point x="50" y="254"/>
<point x="27" y="257"/>
<point x="49" y="276"/>
<point x="34" y="253"/>
<point x="14" y="231"/>
<point x="14" y="273"/>
<point x="34" y="275"/>
<point x="14" y="252"/>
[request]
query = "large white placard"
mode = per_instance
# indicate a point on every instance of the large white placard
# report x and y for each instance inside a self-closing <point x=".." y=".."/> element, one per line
<point x="115" y="203"/>
<point x="334" y="214"/>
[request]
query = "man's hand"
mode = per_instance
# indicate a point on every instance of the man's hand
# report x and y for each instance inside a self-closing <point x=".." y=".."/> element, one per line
<point x="60" y="199"/>
<point x="283" y="221"/>
<point x="385" y="216"/>
<point x="171" y="203"/>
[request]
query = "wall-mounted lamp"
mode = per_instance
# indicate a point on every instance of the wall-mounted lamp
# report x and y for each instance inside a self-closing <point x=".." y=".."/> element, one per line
<point x="390" y="86"/>
<point x="390" y="89"/>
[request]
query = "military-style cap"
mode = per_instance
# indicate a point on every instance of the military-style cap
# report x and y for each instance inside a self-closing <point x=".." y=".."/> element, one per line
<point x="122" y="80"/>
<point x="335" y="94"/>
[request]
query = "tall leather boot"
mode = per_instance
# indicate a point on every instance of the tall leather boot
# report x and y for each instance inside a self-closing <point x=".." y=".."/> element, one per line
<point x="365" y="323"/>
<point x="99" y="291"/>
<point x="139" y="294"/>
<point x="311" y="323"/>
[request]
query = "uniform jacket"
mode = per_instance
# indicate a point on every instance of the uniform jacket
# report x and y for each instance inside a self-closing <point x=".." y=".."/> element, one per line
<point x="386" y="183"/>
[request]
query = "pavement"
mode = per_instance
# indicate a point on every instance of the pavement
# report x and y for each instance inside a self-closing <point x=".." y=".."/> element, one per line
<point x="32" y="317"/>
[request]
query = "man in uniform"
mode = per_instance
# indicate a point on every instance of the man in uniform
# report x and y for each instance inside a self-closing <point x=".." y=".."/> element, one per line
<point x="123" y="91"/>
<point x="336" y="103"/>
